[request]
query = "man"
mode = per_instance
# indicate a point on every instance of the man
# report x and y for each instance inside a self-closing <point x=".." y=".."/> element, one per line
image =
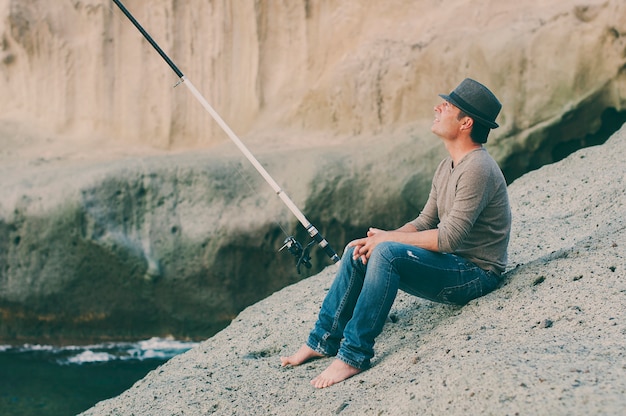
<point x="453" y="252"/>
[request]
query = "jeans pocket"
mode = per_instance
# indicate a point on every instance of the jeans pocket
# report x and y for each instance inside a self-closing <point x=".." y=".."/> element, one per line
<point x="460" y="295"/>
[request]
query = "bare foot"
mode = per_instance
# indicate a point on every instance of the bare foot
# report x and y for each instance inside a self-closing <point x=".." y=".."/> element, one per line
<point x="336" y="372"/>
<point x="303" y="355"/>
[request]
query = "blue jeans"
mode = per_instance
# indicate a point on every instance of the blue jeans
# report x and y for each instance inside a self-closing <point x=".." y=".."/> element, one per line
<point x="360" y="298"/>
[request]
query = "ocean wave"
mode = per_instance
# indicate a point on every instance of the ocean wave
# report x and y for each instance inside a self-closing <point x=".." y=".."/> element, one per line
<point x="150" y="349"/>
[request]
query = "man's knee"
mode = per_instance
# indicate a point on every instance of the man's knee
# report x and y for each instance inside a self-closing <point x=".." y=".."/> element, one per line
<point x="383" y="251"/>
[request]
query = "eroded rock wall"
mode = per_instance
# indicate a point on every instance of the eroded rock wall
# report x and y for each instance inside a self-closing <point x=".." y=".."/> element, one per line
<point x="337" y="67"/>
<point x="125" y="212"/>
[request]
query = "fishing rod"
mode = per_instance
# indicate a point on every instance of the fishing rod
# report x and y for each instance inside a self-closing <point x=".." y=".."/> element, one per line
<point x="291" y="244"/>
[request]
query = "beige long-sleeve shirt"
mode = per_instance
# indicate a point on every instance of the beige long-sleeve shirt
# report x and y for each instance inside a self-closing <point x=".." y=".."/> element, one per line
<point x="469" y="205"/>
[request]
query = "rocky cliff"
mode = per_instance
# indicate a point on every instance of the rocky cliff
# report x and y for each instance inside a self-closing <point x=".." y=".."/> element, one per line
<point x="335" y="68"/>
<point x="124" y="210"/>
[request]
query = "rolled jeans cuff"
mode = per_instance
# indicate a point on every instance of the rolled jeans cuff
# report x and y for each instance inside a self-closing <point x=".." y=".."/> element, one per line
<point x="318" y="348"/>
<point x="363" y="365"/>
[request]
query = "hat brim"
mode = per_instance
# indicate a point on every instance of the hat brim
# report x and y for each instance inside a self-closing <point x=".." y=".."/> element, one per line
<point x="476" y="117"/>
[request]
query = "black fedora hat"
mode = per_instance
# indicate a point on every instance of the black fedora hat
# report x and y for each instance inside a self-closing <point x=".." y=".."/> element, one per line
<point x="477" y="101"/>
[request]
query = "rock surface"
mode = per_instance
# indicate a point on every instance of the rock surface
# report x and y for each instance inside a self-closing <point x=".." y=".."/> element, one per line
<point x="551" y="340"/>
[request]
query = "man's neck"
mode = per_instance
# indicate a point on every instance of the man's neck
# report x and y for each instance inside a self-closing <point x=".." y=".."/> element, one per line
<point x="459" y="149"/>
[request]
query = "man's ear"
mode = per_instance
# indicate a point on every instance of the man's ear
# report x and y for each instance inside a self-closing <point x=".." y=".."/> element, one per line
<point x="467" y="123"/>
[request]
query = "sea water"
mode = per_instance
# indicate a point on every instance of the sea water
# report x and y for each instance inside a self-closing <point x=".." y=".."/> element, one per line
<point x="44" y="380"/>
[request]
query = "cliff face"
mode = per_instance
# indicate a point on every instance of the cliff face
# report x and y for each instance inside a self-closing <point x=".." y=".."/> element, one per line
<point x="344" y="68"/>
<point x="82" y="68"/>
<point x="113" y="182"/>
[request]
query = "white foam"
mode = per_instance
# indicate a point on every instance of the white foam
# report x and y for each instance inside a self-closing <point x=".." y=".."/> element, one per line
<point x="90" y="357"/>
<point x="153" y="348"/>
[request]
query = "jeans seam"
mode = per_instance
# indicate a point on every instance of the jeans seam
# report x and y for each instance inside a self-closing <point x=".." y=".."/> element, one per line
<point x="342" y="304"/>
<point x="387" y="284"/>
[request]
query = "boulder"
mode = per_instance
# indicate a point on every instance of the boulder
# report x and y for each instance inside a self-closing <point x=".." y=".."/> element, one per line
<point x="127" y="248"/>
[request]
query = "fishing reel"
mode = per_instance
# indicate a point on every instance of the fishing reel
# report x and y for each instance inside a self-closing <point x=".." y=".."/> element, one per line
<point x="301" y="254"/>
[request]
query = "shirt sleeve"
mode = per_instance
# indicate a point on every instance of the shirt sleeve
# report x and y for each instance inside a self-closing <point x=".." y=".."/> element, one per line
<point x="428" y="218"/>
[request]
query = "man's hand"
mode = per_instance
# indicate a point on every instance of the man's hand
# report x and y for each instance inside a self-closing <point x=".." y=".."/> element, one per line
<point x="407" y="234"/>
<point x="363" y="247"/>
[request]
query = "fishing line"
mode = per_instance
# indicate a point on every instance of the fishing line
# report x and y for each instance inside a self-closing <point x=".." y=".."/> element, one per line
<point x="240" y="171"/>
<point x="291" y="244"/>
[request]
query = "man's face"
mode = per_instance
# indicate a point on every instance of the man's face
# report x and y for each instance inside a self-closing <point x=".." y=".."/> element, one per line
<point x="446" y="123"/>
